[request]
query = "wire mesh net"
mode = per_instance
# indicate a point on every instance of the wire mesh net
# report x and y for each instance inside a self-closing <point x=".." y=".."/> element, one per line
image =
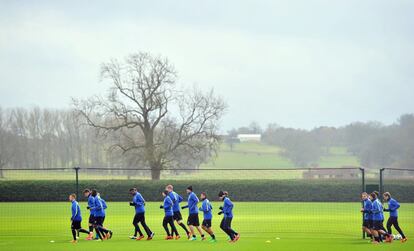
<point x="314" y="201"/>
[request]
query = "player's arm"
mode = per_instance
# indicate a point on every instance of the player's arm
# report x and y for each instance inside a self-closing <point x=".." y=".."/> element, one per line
<point x="140" y="200"/>
<point x="104" y="204"/>
<point x="74" y="209"/>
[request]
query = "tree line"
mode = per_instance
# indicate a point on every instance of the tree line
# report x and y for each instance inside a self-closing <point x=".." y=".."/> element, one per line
<point x="375" y="145"/>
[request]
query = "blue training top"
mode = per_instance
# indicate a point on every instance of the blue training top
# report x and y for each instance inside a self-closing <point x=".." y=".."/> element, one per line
<point x="393" y="206"/>
<point x="76" y="213"/>
<point x="192" y="203"/>
<point x="91" y="204"/>
<point x="377" y="211"/>
<point x="139" y="203"/>
<point x="168" y="206"/>
<point x="98" y="207"/>
<point x="176" y="199"/>
<point x="206" y="208"/>
<point x="228" y="208"/>
<point x="367" y="209"/>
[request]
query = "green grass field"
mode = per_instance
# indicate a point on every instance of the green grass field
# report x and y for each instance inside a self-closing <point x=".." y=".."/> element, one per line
<point x="263" y="226"/>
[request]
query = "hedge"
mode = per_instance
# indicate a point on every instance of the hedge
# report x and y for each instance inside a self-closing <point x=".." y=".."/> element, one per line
<point x="240" y="190"/>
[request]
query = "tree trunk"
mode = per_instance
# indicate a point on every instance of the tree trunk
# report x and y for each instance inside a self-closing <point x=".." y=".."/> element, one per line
<point x="155" y="173"/>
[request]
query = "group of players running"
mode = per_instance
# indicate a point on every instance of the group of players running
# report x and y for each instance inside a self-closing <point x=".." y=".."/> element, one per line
<point x="172" y="212"/>
<point x="374" y="217"/>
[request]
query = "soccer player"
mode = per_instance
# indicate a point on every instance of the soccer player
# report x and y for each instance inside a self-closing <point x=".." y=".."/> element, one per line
<point x="366" y="210"/>
<point x="227" y="210"/>
<point x="168" y="218"/>
<point x="76" y="218"/>
<point x="139" y="203"/>
<point x="378" y="218"/>
<point x="193" y="220"/>
<point x="206" y="208"/>
<point x="99" y="214"/>
<point x="91" y="221"/>
<point x="177" y="199"/>
<point x="393" y="207"/>
<point x="103" y="219"/>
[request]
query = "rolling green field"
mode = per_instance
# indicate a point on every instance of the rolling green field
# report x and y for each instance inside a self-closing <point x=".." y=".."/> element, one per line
<point x="256" y="155"/>
<point x="263" y="226"/>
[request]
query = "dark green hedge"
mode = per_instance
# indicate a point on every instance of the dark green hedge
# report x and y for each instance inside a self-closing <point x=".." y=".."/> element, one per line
<point x="240" y="190"/>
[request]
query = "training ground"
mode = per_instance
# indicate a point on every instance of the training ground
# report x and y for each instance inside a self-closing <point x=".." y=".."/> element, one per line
<point x="263" y="226"/>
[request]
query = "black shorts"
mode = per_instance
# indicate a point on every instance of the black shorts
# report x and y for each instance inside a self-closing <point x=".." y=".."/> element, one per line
<point x="139" y="217"/>
<point x="367" y="224"/>
<point x="206" y="223"/>
<point x="377" y="225"/>
<point x="76" y="225"/>
<point x="99" y="221"/>
<point x="91" y="219"/>
<point x="177" y="216"/>
<point x="193" y="220"/>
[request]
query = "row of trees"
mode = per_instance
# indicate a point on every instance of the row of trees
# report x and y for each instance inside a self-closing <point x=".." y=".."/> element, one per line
<point x="144" y="121"/>
<point x="376" y="145"/>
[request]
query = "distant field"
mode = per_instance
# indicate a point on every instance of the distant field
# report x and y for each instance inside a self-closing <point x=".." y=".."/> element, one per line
<point x="256" y="156"/>
<point x="242" y="156"/>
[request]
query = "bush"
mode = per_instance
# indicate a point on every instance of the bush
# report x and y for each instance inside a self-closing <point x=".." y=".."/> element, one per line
<point x="240" y="190"/>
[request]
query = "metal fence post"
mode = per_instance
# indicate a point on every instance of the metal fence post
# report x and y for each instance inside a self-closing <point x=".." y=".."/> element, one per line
<point x="362" y="190"/>
<point x="77" y="181"/>
<point x="381" y="184"/>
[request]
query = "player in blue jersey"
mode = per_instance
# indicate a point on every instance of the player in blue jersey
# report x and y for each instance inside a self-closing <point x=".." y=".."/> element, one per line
<point x="393" y="207"/>
<point x="99" y="214"/>
<point x="177" y="199"/>
<point x="168" y="218"/>
<point x="207" y="210"/>
<point x="227" y="210"/>
<point x="193" y="220"/>
<point x="76" y="219"/>
<point x="366" y="210"/>
<point x="139" y="203"/>
<point x="91" y="220"/>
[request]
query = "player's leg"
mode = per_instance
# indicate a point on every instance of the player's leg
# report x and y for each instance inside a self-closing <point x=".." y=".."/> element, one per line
<point x="389" y="224"/>
<point x="165" y="225"/>
<point x="150" y="234"/>
<point x="136" y="228"/>
<point x="196" y="224"/>
<point x="224" y="227"/>
<point x="91" y="221"/>
<point x="206" y="225"/>
<point x="231" y="231"/>
<point x="173" y="228"/>
<point x="397" y="227"/>
<point x="179" y="219"/>
<point x="191" y="227"/>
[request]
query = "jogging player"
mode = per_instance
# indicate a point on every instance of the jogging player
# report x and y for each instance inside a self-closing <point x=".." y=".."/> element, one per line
<point x="76" y="218"/>
<point x="99" y="214"/>
<point x="393" y="207"/>
<point x="91" y="220"/>
<point x="206" y="208"/>
<point x="139" y="203"/>
<point x="227" y="210"/>
<point x="366" y="210"/>
<point x="193" y="220"/>
<point x="168" y="218"/>
<point x="177" y="199"/>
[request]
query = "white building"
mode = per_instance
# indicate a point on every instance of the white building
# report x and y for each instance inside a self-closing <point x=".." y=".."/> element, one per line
<point x="249" y="137"/>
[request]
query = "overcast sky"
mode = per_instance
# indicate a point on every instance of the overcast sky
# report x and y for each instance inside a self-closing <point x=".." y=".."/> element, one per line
<point x="297" y="63"/>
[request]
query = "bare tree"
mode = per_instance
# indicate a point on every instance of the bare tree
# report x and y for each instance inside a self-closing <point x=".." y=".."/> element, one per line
<point x="138" y="113"/>
<point x="6" y="141"/>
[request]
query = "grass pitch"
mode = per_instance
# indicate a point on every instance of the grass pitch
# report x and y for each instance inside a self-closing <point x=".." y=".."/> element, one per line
<point x="263" y="226"/>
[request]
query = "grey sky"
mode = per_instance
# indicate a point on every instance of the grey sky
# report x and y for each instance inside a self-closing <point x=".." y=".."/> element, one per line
<point x="296" y="63"/>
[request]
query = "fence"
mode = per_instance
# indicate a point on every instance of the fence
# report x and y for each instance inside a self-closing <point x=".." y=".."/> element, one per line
<point x="311" y="201"/>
